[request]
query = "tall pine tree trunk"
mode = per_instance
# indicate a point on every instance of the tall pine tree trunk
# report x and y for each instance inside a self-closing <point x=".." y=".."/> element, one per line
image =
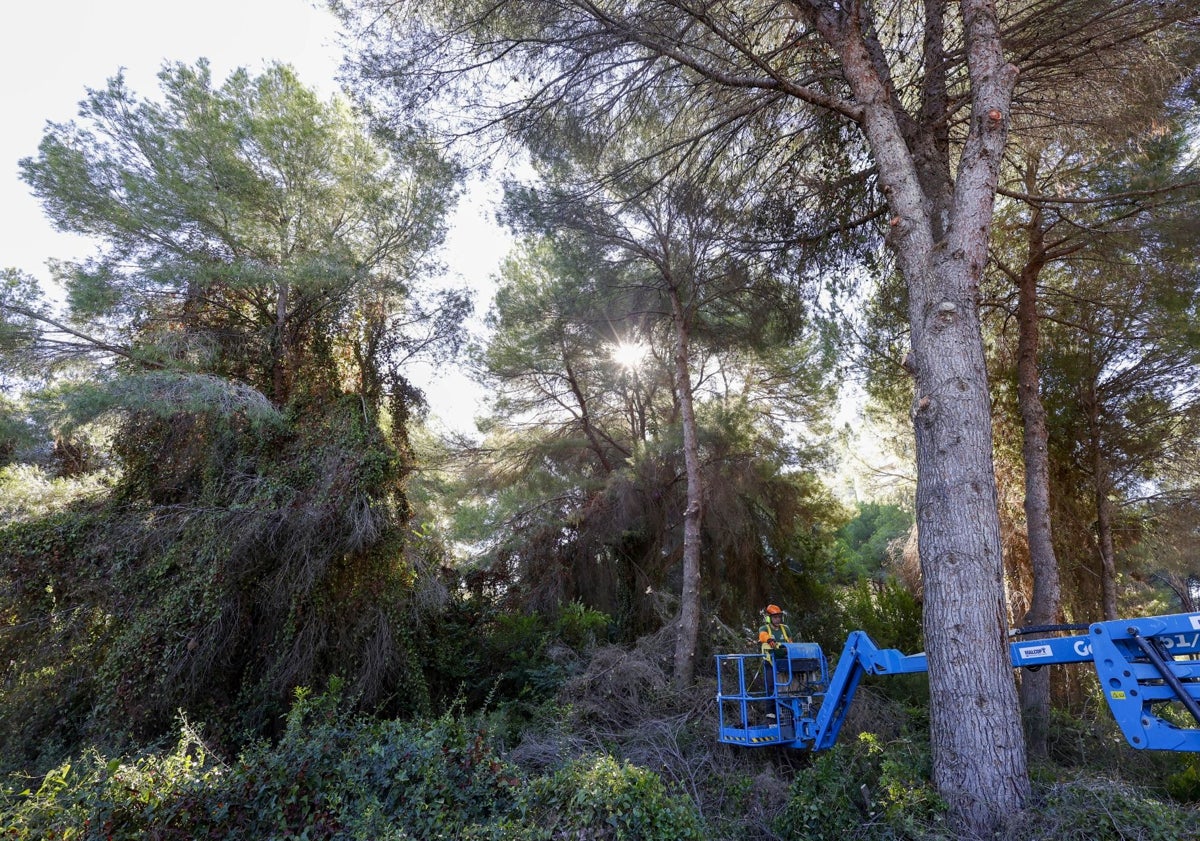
<point x="939" y="235"/>
<point x="279" y="347"/>
<point x="978" y="741"/>
<point x="1108" y="562"/>
<point x="1104" y="539"/>
<point x="689" y="603"/>
<point x="1045" y="602"/>
<point x="1102" y="486"/>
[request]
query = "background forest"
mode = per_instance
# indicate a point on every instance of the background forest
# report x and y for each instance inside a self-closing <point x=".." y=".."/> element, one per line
<point x="248" y="590"/>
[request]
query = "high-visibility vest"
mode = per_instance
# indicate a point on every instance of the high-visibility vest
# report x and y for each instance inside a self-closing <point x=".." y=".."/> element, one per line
<point x="778" y="633"/>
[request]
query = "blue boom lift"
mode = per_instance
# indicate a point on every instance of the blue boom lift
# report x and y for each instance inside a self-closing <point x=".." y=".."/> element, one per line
<point x="1144" y="666"/>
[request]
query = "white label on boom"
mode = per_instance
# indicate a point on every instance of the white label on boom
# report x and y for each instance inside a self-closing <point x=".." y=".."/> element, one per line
<point x="1034" y="651"/>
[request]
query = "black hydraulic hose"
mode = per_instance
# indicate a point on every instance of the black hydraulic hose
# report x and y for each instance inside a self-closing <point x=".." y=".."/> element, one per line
<point x="1169" y="676"/>
<point x="1040" y="629"/>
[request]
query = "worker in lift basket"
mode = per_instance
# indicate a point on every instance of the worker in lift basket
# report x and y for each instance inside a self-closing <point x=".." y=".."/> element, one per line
<point x="770" y="636"/>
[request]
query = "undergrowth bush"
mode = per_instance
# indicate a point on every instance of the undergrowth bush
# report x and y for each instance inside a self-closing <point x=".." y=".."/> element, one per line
<point x="1184" y="784"/>
<point x="866" y="789"/>
<point x="1096" y="809"/>
<point x="28" y="491"/>
<point x="334" y="776"/>
<point x="1088" y="742"/>
<point x="875" y="791"/>
<point x="476" y="654"/>
<point x="887" y="611"/>
<point x="601" y="798"/>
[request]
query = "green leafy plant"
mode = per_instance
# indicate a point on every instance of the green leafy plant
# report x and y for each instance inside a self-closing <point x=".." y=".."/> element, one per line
<point x="337" y="775"/>
<point x="1184" y="785"/>
<point x="607" y="799"/>
<point x="865" y="789"/>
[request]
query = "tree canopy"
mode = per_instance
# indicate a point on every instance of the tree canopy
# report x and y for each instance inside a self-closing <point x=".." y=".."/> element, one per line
<point x="248" y="230"/>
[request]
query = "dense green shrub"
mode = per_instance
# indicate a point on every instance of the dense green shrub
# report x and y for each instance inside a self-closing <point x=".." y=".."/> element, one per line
<point x="887" y="611"/>
<point x="600" y="798"/>
<point x="865" y="790"/>
<point x="1184" y="784"/>
<point x="866" y="543"/>
<point x="822" y="801"/>
<point x="29" y="491"/>
<point x="479" y="654"/>
<point x="1088" y="742"/>
<point x="55" y="632"/>
<point x="333" y="776"/>
<point x="338" y="775"/>
<point x="329" y="777"/>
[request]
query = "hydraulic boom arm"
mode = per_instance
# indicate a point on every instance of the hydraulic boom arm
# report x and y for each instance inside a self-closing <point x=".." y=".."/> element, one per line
<point x="1144" y="665"/>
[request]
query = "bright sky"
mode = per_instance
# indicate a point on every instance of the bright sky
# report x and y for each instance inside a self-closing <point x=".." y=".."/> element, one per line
<point x="50" y="52"/>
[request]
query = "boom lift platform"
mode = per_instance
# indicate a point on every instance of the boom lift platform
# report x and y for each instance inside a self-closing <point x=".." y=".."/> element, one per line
<point x="1144" y="666"/>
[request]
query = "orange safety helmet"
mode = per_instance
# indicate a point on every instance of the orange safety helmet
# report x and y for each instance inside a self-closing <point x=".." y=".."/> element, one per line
<point x="773" y="609"/>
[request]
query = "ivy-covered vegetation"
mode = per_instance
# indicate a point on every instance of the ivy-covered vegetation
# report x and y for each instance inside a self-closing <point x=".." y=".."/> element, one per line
<point x="216" y="576"/>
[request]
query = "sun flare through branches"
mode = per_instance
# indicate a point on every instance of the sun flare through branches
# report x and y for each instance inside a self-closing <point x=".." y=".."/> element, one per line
<point x="629" y="355"/>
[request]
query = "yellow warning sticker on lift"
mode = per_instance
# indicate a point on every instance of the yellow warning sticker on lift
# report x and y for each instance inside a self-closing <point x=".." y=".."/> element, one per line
<point x="1117" y="696"/>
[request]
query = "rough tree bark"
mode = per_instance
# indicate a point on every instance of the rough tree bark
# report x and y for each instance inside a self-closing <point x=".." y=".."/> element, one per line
<point x="1045" y="604"/>
<point x="940" y="233"/>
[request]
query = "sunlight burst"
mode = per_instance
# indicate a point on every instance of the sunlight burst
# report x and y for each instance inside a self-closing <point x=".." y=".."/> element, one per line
<point x="629" y="355"/>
